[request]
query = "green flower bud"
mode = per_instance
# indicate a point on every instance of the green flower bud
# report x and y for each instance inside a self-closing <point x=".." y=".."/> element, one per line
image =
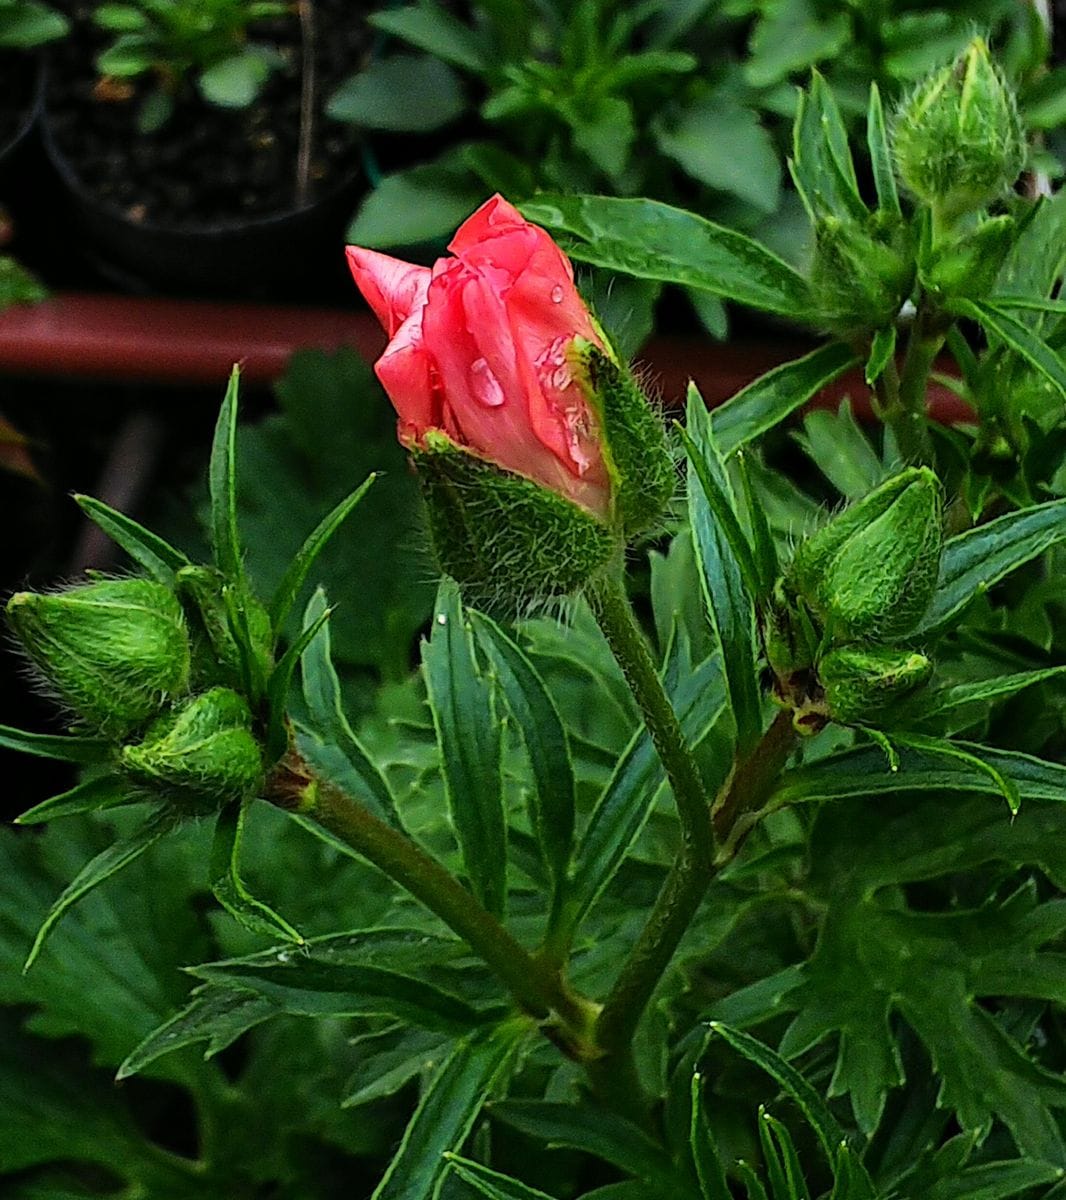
<point x="958" y="138"/>
<point x="862" y="271"/>
<point x="115" y="650"/>
<point x="870" y="573"/>
<point x="642" y="472"/>
<point x="501" y="536"/>
<point x="216" y="657"/>
<point x="202" y="754"/>
<point x="968" y="265"/>
<point x="860" y="684"/>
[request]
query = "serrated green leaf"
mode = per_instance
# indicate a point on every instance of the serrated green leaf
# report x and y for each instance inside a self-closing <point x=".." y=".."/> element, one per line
<point x="229" y="888"/>
<point x="322" y="695"/>
<point x="160" y="559"/>
<point x="468" y="733"/>
<point x="975" y="560"/>
<point x="730" y="603"/>
<point x="215" y="1015"/>
<point x="307" y="556"/>
<point x="118" y="855"/>
<point x="551" y="799"/>
<point x="491" y="1183"/>
<point x="655" y="241"/>
<point x="595" y="1131"/>
<point x="222" y="482"/>
<point x="773" y="397"/>
<point x="390" y="1059"/>
<point x="447" y="1113"/>
<point x="91" y="795"/>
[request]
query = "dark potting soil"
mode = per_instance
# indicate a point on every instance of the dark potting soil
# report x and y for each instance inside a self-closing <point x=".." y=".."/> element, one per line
<point x="18" y="83"/>
<point x="207" y="165"/>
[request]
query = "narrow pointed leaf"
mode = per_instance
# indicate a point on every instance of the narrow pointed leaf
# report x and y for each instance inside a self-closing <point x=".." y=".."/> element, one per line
<point x="882" y="349"/>
<point x="322" y="695"/>
<point x="58" y="746"/>
<point x="222" y="484"/>
<point x="300" y="567"/>
<point x="652" y="240"/>
<point x="491" y="1183"/>
<point x="1019" y="337"/>
<point x="1029" y="303"/>
<point x="795" y="1185"/>
<point x="818" y="1116"/>
<point x="773" y="1163"/>
<point x="764" y="549"/>
<point x="91" y="795"/>
<point x="471" y="746"/>
<point x="940" y="746"/>
<point x="215" y="1015"/>
<point x="551" y="799"/>
<point x="977" y="559"/>
<point x="948" y="699"/>
<point x="446" y="1114"/>
<point x="730" y="604"/>
<point x="118" y="855"/>
<point x="278" y="688"/>
<point x="881" y="156"/>
<point x="229" y="888"/>
<point x="772" y="397"/>
<point x="705" y="1157"/>
<point x="751" y="1182"/>
<point x="821" y="165"/>
<point x="997" y="1180"/>
<point x="160" y="559"/>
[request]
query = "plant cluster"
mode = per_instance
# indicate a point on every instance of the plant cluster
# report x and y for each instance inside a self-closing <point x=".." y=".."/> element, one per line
<point x="757" y="897"/>
<point x="177" y="43"/>
<point x="25" y="23"/>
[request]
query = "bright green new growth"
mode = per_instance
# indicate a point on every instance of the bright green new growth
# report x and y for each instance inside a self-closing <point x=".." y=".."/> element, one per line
<point x="633" y="438"/>
<point x="958" y="139"/>
<point x="862" y="270"/>
<point x="116" y="650"/>
<point x="202" y="753"/>
<point x="871" y="572"/>
<point x="860" y="683"/>
<point x="501" y="536"/>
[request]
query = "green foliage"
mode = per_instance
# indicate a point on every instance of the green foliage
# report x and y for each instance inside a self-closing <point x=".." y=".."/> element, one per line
<point x="23" y="25"/>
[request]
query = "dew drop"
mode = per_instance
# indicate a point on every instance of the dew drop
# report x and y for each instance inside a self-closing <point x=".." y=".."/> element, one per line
<point x="486" y="386"/>
<point x="557" y="294"/>
<point x="442" y="619"/>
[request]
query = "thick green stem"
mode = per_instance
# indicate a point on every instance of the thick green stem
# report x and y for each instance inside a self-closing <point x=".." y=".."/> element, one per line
<point x="903" y="397"/>
<point x="537" y="988"/>
<point x="691" y="873"/>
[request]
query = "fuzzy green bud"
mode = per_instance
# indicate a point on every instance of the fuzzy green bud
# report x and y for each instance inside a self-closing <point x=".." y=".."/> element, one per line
<point x="958" y="138"/>
<point x="216" y="655"/>
<point x="861" y="683"/>
<point x="202" y="754"/>
<point x="870" y="573"/>
<point x="633" y="438"/>
<point x="501" y="536"/>
<point x="862" y="271"/>
<point x="968" y="264"/>
<point x="115" y="650"/>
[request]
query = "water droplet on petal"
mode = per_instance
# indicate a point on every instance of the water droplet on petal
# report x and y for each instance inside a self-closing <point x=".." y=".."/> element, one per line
<point x="557" y="294"/>
<point x="486" y="387"/>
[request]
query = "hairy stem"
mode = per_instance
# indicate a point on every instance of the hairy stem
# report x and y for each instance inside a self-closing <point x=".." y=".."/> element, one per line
<point x="902" y="396"/>
<point x="537" y="988"/>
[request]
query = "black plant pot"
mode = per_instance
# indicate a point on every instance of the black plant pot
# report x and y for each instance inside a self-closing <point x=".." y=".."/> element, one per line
<point x="288" y="255"/>
<point x="24" y="72"/>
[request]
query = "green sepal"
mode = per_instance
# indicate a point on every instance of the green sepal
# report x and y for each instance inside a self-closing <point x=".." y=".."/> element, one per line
<point x="862" y="271"/>
<point x="969" y="264"/>
<point x="501" y="536"/>
<point x="641" y="469"/>
<point x="871" y="572"/>
<point x="114" y="650"/>
<point x="201" y="755"/>
<point x="218" y="657"/>
<point x="861" y="683"/>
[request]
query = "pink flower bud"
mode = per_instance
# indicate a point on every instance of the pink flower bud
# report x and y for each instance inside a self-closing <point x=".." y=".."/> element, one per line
<point x="480" y="349"/>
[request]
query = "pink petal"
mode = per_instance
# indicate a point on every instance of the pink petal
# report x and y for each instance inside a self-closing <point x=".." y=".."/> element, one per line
<point x="393" y="288"/>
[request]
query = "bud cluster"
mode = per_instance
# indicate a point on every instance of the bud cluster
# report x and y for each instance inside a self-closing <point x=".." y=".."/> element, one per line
<point x="837" y="625"/>
<point x="154" y="677"/>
